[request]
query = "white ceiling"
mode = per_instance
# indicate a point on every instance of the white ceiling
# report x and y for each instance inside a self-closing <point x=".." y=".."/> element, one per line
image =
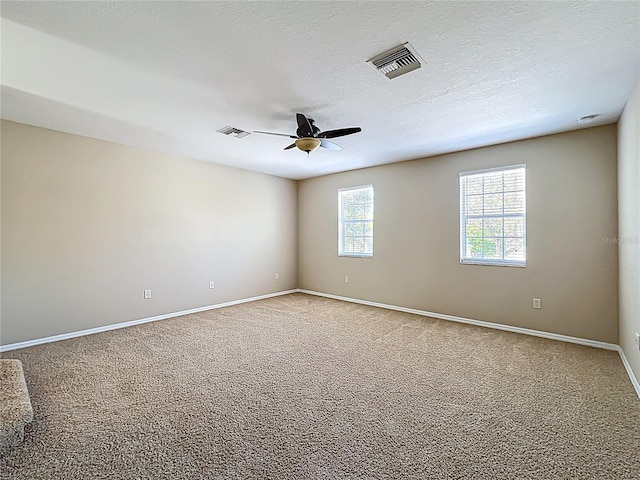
<point x="166" y="75"/>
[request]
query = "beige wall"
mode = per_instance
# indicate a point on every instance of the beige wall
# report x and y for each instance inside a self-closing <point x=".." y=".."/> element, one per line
<point x="88" y="225"/>
<point x="571" y="207"/>
<point x="629" y="227"/>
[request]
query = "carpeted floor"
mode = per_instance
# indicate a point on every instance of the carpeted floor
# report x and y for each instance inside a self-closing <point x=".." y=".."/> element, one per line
<point x="302" y="387"/>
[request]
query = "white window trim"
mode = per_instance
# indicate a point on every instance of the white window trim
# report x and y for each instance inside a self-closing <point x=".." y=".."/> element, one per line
<point x="485" y="261"/>
<point x="346" y="189"/>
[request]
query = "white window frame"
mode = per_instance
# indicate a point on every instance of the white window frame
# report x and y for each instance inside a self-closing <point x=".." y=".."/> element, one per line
<point x="342" y="222"/>
<point x="464" y="259"/>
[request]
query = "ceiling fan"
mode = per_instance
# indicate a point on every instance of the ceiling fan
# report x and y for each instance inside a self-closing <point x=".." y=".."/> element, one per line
<point x="308" y="137"/>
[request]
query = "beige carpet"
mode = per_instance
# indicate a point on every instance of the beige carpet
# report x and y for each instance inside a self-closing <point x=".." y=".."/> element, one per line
<point x="301" y="387"/>
<point x="15" y="406"/>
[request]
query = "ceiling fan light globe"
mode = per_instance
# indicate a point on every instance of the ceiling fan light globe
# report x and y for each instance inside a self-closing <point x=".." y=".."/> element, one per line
<point x="308" y="144"/>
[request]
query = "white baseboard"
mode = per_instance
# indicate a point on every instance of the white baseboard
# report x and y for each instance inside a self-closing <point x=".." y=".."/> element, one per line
<point x="470" y="321"/>
<point x="497" y="326"/>
<point x="627" y="366"/>
<point x="65" y="336"/>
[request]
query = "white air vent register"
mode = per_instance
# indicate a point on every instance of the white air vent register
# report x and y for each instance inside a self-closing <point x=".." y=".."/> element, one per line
<point x="235" y="132"/>
<point x="397" y="61"/>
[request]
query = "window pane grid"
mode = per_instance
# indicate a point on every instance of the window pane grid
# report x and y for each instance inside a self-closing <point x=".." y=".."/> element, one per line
<point x="492" y="216"/>
<point x="355" y="222"/>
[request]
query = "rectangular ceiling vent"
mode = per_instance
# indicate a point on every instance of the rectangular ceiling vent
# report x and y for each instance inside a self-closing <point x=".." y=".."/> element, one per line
<point x="397" y="61"/>
<point x="235" y="132"/>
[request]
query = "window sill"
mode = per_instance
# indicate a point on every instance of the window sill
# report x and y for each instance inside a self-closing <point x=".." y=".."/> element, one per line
<point x="353" y="255"/>
<point x="489" y="263"/>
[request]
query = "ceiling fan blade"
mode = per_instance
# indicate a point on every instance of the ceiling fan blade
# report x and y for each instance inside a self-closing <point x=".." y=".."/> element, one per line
<point x="341" y="132"/>
<point x="279" y="134"/>
<point x="289" y="146"/>
<point x="304" y="126"/>
<point x="329" y="145"/>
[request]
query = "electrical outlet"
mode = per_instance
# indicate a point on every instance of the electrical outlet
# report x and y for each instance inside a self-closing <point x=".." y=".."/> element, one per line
<point x="637" y="340"/>
<point x="537" y="303"/>
<point x="346" y="279"/>
<point x="275" y="276"/>
<point x="212" y="284"/>
<point x="147" y="294"/>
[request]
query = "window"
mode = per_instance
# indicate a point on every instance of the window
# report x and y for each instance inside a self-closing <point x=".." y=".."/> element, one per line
<point x="492" y="216"/>
<point x="355" y="221"/>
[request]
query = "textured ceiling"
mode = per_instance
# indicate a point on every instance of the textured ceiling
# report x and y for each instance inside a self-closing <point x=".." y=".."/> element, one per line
<point x="167" y="75"/>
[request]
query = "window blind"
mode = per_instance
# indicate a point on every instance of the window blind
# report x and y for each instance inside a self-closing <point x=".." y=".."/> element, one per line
<point x="493" y="216"/>
<point x="355" y="221"/>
